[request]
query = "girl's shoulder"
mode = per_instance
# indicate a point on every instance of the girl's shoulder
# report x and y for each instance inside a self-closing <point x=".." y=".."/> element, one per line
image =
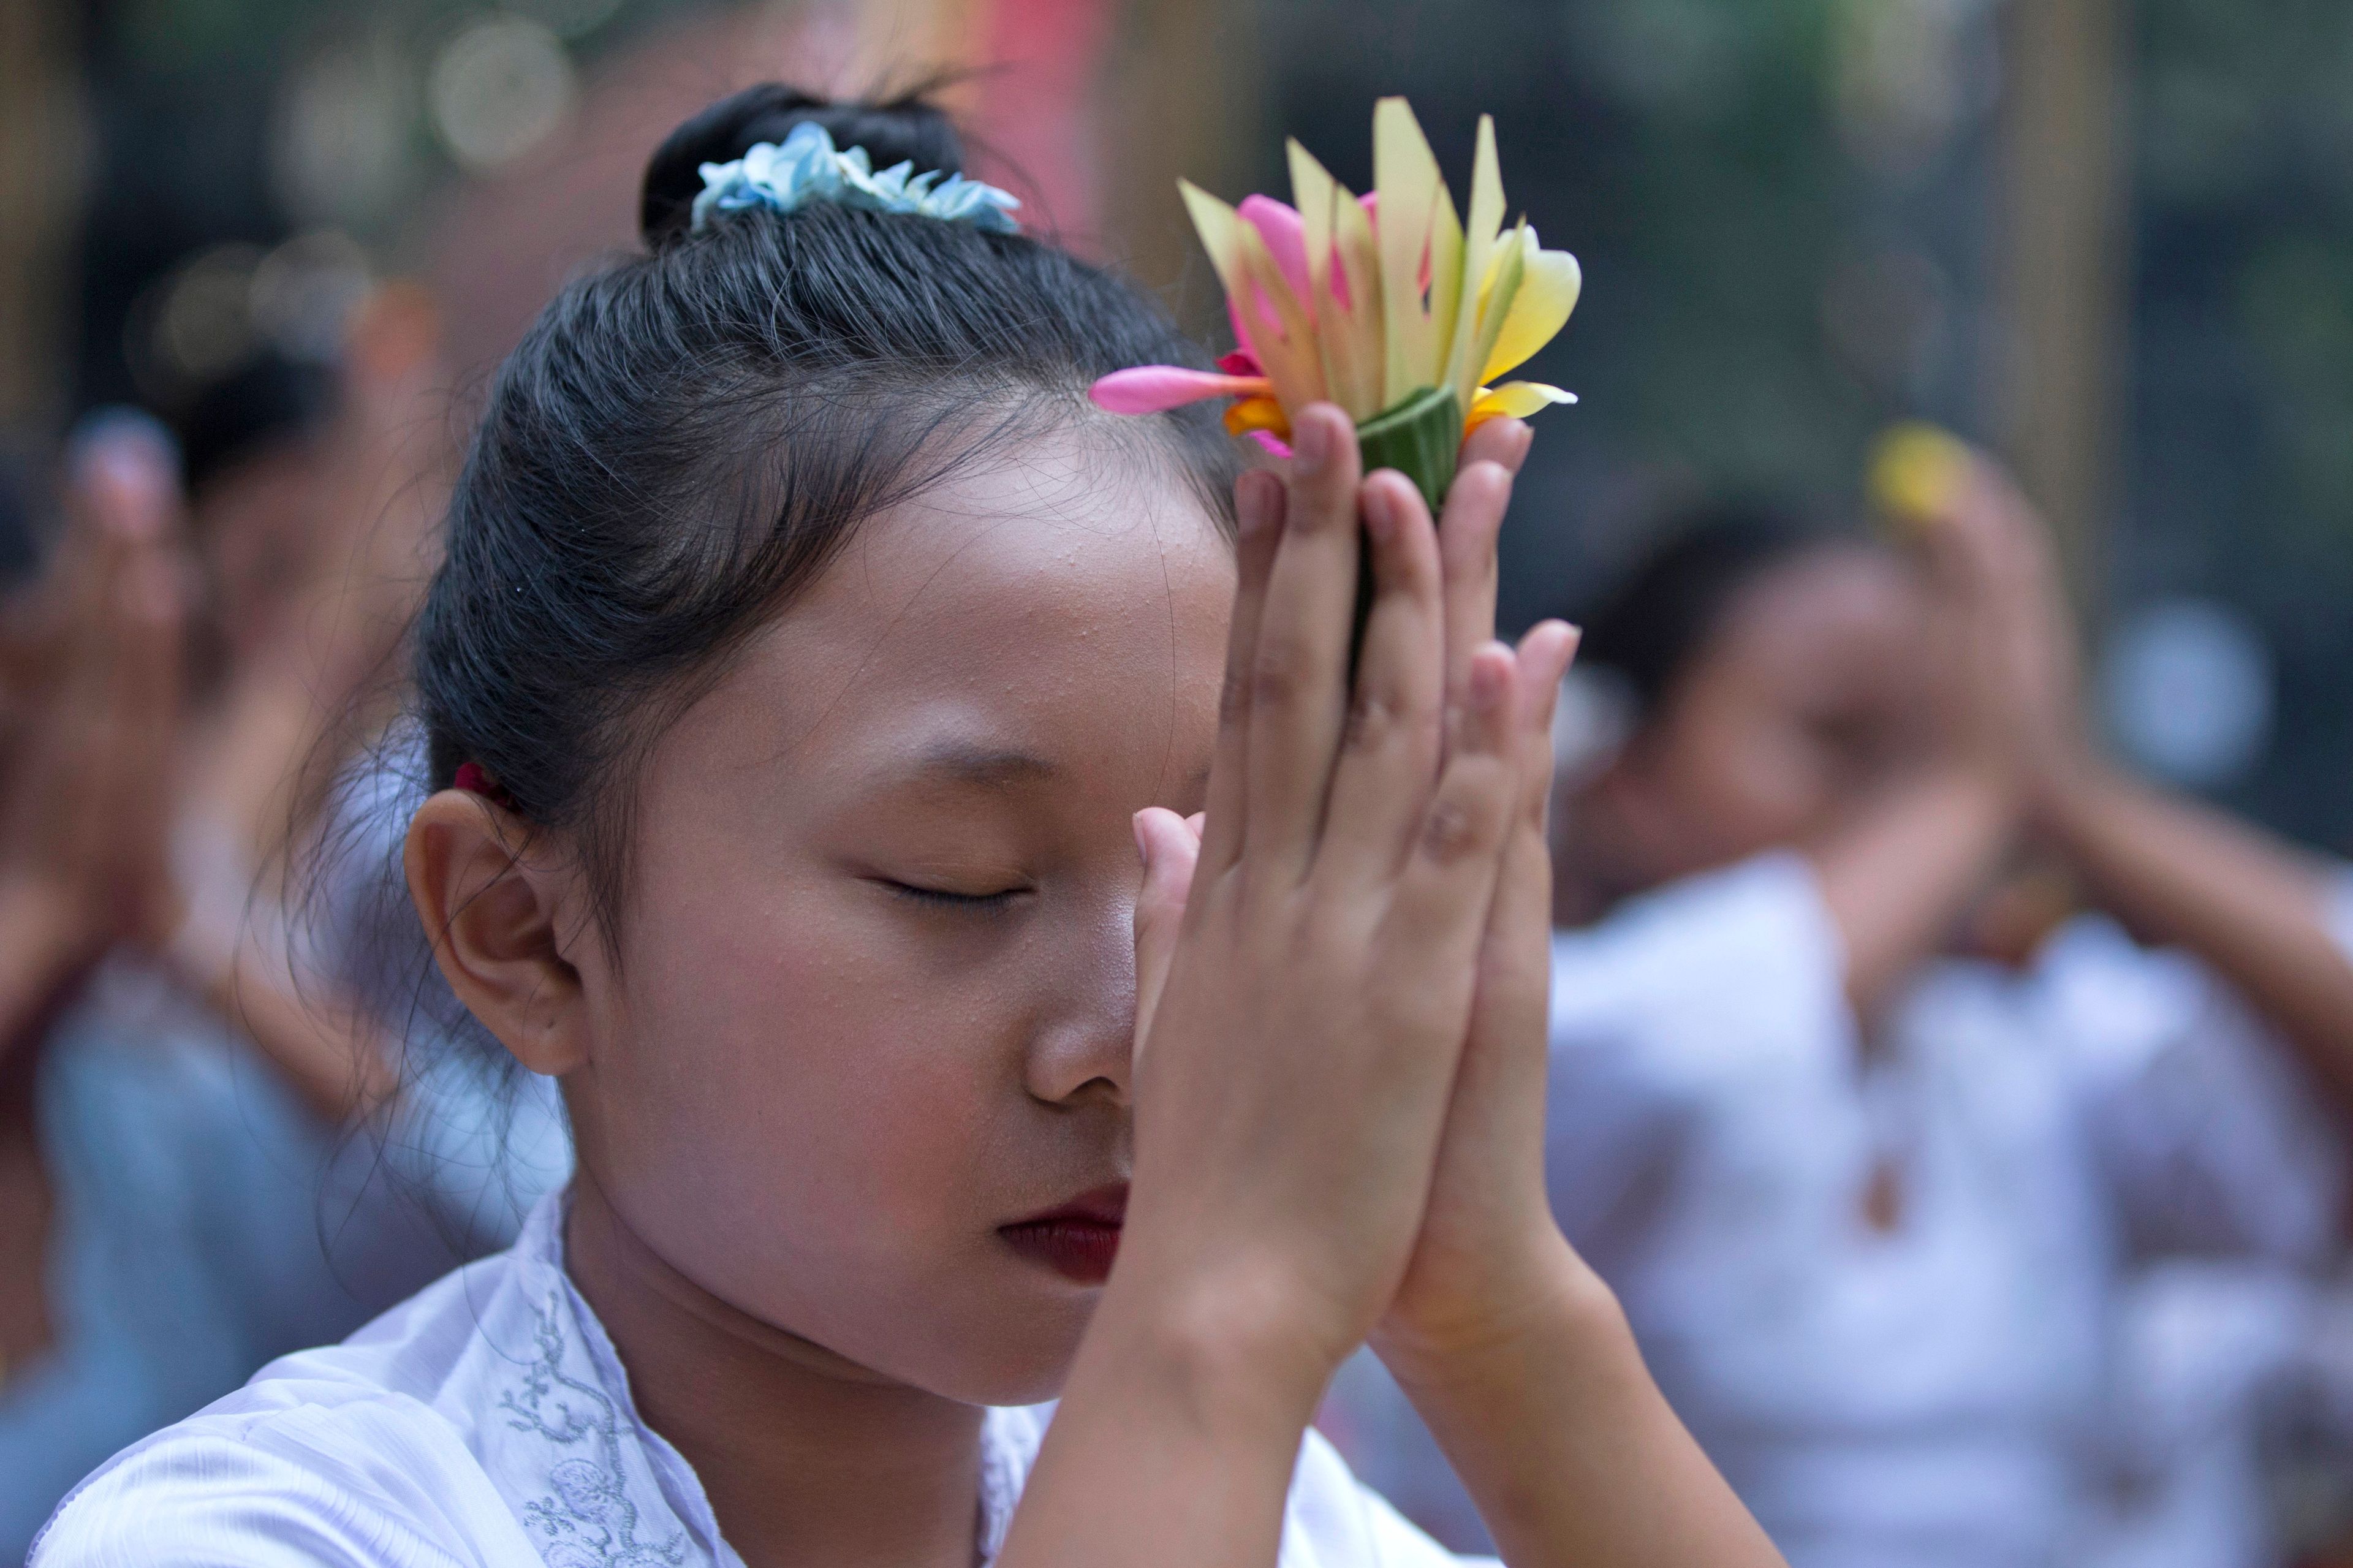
<point x="326" y="1477"/>
<point x="399" y="1445"/>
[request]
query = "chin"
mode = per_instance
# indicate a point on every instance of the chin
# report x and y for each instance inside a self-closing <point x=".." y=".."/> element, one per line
<point x="1018" y="1357"/>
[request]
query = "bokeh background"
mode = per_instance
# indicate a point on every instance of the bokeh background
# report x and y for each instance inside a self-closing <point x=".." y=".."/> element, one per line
<point x="2113" y="240"/>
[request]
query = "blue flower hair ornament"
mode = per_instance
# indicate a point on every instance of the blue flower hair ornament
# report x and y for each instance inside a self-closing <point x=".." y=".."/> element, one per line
<point x="805" y="168"/>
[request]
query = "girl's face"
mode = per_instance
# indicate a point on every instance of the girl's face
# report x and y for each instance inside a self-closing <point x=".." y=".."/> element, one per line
<point x="874" y="991"/>
<point x="1806" y="697"/>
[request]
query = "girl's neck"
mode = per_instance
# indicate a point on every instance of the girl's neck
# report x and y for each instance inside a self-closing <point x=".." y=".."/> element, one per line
<point x="807" y="1458"/>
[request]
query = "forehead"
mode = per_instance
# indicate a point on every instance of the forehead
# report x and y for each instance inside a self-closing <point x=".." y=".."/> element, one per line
<point x="1847" y="614"/>
<point x="1065" y="600"/>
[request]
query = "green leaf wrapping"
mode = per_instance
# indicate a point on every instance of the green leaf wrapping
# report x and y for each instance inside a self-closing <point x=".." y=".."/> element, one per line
<point x="1420" y="438"/>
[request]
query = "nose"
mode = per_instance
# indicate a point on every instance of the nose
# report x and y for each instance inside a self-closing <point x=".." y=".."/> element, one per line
<point x="1084" y="1045"/>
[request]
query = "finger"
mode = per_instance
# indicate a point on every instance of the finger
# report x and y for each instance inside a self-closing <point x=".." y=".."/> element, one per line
<point x="2022" y="561"/>
<point x="95" y="647"/>
<point x="1503" y="442"/>
<point x="1299" y="675"/>
<point x="1545" y="655"/>
<point x="1956" y="551"/>
<point x="1520" y="920"/>
<point x="148" y="626"/>
<point x="1498" y="1091"/>
<point x="1169" y="851"/>
<point x="1389" y="754"/>
<point x="1443" y="897"/>
<point x="123" y="491"/>
<point x="1467" y="531"/>
<point x="130" y="486"/>
<point x="1259" y="504"/>
<point x="133" y="767"/>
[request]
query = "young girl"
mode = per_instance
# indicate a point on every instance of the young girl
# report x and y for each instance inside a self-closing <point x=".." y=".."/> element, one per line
<point x="1869" y="1151"/>
<point x="809" y="664"/>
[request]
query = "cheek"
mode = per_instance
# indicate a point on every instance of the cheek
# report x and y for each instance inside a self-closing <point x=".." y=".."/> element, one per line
<point x="789" y="1071"/>
<point x="1751" y="780"/>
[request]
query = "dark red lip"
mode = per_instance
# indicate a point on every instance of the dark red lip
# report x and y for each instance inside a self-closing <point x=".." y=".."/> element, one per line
<point x="1078" y="1239"/>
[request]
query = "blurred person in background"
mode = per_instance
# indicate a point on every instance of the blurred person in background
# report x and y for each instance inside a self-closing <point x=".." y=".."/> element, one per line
<point x="1871" y="1136"/>
<point x="316" y="491"/>
<point x="1866" y="1130"/>
<point x="178" y="1065"/>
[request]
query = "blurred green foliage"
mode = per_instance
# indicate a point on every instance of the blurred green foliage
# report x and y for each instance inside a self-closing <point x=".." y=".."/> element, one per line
<point x="2239" y="461"/>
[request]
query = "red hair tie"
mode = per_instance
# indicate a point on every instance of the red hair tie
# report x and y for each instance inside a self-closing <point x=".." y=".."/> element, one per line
<point x="475" y="779"/>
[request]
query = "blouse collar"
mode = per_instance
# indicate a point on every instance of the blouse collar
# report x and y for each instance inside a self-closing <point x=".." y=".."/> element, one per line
<point x="610" y="1492"/>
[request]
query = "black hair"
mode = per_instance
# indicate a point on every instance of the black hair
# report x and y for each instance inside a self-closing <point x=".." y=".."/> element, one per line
<point x="682" y="441"/>
<point x="1662" y="617"/>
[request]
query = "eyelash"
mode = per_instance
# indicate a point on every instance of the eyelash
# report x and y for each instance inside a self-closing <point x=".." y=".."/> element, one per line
<point x="976" y="903"/>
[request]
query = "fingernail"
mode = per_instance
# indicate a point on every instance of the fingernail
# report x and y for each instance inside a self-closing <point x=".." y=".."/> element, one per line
<point x="1380" y="513"/>
<point x="1311" y="445"/>
<point x="135" y="485"/>
<point x="1143" y="845"/>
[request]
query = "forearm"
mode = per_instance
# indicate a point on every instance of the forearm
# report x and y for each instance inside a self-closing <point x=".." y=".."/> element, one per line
<point x="1898" y="876"/>
<point x="1570" y="1449"/>
<point x="40" y="956"/>
<point x="1173" y="1445"/>
<point x="2249" y="906"/>
<point x="331" y="1056"/>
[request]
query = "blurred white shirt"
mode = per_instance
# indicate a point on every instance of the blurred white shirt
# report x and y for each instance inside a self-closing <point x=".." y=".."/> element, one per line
<point x="1940" y="1392"/>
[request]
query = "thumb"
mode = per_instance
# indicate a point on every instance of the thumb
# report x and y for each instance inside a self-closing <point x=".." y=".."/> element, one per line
<point x="1169" y="847"/>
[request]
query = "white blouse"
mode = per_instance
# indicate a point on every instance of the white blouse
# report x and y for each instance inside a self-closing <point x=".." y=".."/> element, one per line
<point x="1943" y="1392"/>
<point x="1936" y="1393"/>
<point x="487" y="1422"/>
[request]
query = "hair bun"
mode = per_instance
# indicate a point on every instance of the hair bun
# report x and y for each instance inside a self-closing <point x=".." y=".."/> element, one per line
<point x="906" y="129"/>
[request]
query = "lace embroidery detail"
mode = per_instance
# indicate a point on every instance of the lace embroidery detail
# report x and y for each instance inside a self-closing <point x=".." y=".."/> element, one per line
<point x="589" y="1518"/>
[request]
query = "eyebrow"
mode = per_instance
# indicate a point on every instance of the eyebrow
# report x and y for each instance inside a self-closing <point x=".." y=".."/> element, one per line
<point x="968" y="762"/>
<point x="980" y="764"/>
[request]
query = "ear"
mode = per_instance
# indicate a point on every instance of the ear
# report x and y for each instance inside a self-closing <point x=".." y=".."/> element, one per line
<point x="495" y="922"/>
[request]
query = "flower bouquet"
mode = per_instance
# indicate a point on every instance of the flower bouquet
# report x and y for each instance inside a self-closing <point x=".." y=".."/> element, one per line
<point x="1390" y="305"/>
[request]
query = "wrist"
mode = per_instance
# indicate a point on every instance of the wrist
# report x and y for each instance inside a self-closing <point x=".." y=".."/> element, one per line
<point x="1995" y="777"/>
<point x="2071" y="786"/>
<point x="1980" y="796"/>
<point x="1238" y="1354"/>
<point x="1548" y="1299"/>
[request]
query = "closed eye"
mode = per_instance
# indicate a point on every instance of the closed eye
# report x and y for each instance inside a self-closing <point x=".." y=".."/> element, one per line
<point x="943" y="898"/>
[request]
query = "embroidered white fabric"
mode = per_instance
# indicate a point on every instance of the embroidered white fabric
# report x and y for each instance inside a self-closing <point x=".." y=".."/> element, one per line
<point x="487" y="1422"/>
